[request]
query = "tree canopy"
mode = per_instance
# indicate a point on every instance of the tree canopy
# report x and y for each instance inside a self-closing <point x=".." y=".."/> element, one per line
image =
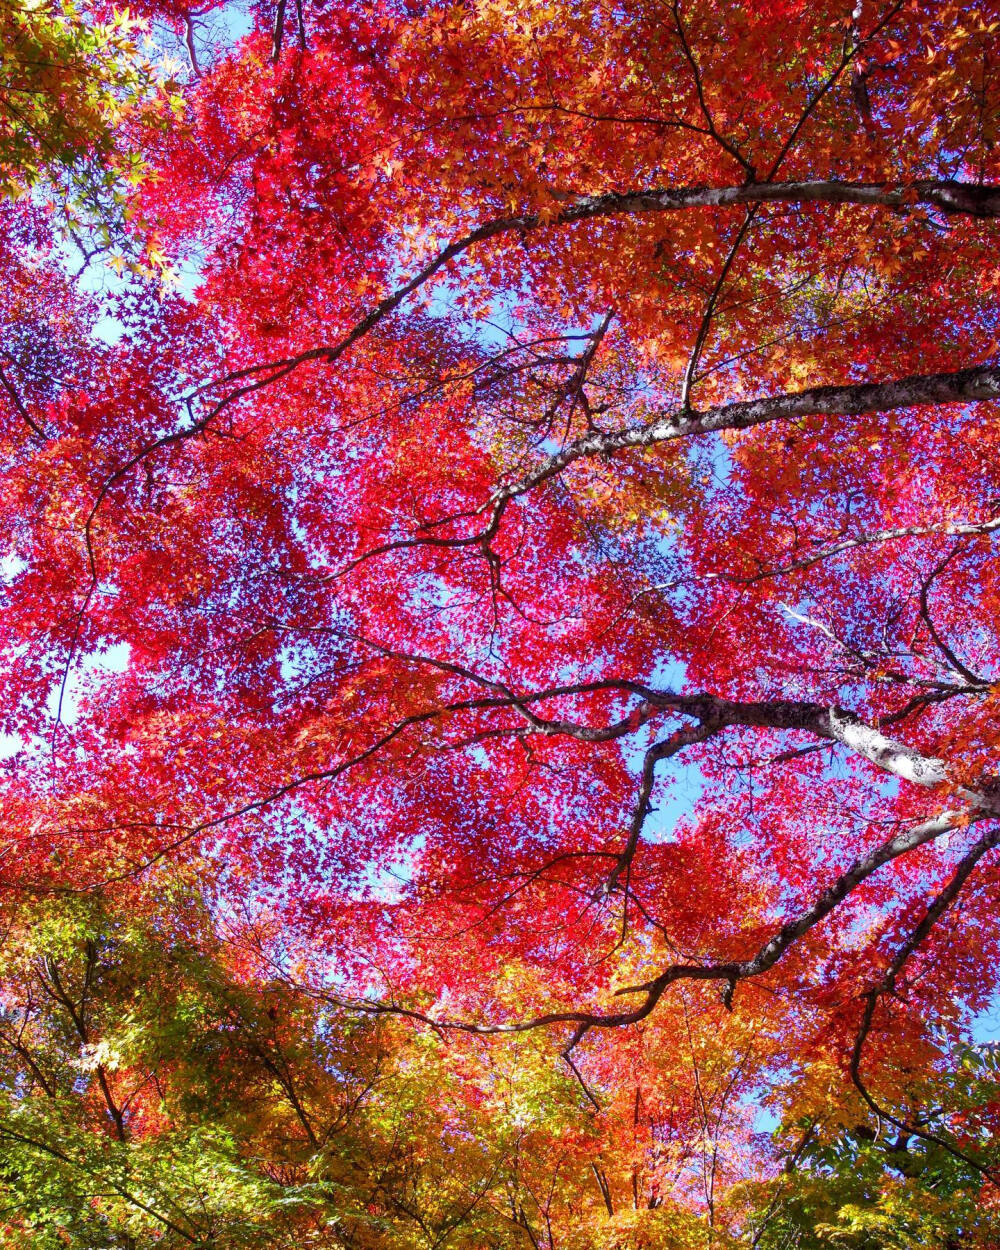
<point x="499" y="674"/>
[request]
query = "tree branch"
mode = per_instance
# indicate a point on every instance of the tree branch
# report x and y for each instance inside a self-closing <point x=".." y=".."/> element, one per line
<point x="964" y="385"/>
<point x="887" y="985"/>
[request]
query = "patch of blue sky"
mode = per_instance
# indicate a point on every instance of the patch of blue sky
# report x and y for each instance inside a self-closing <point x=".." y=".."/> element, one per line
<point x="985" y="1025"/>
<point x="678" y="799"/>
<point x="387" y="882"/>
<point x="212" y="34"/>
<point x="765" y="1120"/>
<point x="111" y="659"/>
<point x="108" y="660"/>
<point x="11" y="566"/>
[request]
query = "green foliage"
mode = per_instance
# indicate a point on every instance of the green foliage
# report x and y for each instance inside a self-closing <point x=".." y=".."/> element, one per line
<point x="74" y="93"/>
<point x="153" y="1090"/>
<point x="863" y="1188"/>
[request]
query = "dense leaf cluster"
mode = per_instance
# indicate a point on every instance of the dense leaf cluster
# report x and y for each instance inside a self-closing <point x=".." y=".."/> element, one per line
<point x="499" y="648"/>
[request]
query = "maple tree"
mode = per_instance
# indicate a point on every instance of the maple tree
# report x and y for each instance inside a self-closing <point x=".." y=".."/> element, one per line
<point x="515" y="597"/>
<point x="73" y="85"/>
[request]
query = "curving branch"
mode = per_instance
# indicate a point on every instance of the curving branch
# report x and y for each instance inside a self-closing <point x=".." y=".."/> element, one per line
<point x="951" y="197"/>
<point x="712" y="714"/>
<point x="957" y="666"/>
<point x="19" y="405"/>
<point x="968" y="384"/>
<point x="887" y="985"/>
<point x="826" y="723"/>
<point x="919" y="390"/>
<point x="947" y="529"/>
<point x="730" y="972"/>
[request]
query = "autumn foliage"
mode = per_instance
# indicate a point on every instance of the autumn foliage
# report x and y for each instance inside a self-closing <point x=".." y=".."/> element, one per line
<point x="500" y="621"/>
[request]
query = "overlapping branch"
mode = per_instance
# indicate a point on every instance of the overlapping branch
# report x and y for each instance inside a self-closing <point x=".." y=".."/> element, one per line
<point x="951" y="197"/>
<point x="711" y="715"/>
<point x="962" y="385"/>
<point x="731" y="972"/>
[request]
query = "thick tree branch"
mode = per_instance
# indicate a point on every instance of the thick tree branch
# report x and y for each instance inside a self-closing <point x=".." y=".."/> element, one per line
<point x="950" y="197"/>
<point x="962" y="386"/>
<point x="730" y="971"/>
<point x="946" y="529"/>
<point x="712" y="714"/>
